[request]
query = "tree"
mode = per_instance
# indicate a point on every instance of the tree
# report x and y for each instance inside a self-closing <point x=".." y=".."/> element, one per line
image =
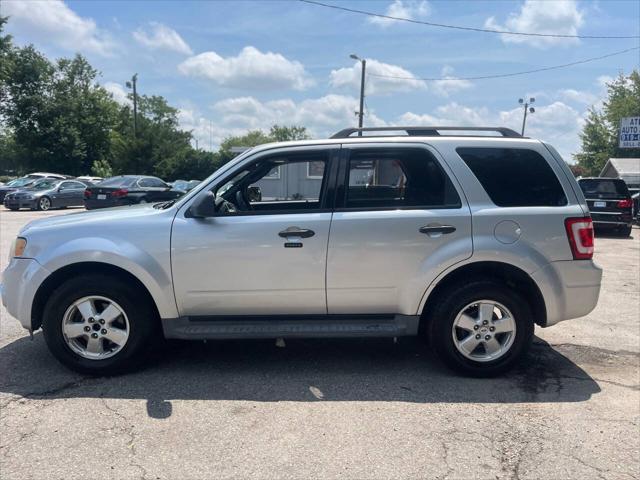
<point x="277" y="133"/>
<point x="101" y="168"/>
<point x="284" y="134"/>
<point x="600" y="133"/>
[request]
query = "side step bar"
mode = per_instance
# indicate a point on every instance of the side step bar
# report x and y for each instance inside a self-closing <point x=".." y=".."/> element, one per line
<point x="290" y="326"/>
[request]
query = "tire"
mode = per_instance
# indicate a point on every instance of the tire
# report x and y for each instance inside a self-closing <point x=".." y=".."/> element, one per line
<point x="44" y="204"/>
<point x="453" y="302"/>
<point x="139" y="321"/>
<point x="624" y="231"/>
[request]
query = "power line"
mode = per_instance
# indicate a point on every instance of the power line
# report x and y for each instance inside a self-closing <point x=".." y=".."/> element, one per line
<point x="458" y="27"/>
<point x="502" y="75"/>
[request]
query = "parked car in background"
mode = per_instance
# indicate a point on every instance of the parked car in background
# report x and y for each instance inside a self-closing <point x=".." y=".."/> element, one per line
<point x="92" y="180"/>
<point x="128" y="190"/>
<point x="16" y="184"/>
<point x="636" y="207"/>
<point x="48" y="193"/>
<point x="184" y="185"/>
<point x="609" y="202"/>
<point x="48" y="175"/>
<point x="467" y="240"/>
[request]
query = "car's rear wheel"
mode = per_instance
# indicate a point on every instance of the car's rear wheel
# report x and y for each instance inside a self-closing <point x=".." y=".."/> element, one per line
<point x="44" y="204"/>
<point x="99" y="324"/>
<point x="481" y="328"/>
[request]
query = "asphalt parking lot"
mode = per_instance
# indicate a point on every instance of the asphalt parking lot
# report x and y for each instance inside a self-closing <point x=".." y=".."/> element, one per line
<point x="334" y="408"/>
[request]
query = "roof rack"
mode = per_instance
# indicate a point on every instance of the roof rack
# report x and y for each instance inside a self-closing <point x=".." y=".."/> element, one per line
<point x="427" y="131"/>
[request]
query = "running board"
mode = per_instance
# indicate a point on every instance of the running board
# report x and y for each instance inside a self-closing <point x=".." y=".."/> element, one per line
<point x="290" y="326"/>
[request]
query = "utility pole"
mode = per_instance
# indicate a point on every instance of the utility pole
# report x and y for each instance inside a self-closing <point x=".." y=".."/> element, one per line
<point x="363" y="63"/>
<point x="528" y="109"/>
<point x="132" y="84"/>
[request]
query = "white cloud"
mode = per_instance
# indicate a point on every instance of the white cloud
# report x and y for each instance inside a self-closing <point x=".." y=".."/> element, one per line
<point x="350" y="77"/>
<point x="557" y="123"/>
<point x="535" y="16"/>
<point x="410" y="9"/>
<point x="54" y="22"/>
<point x="577" y="96"/>
<point x="249" y="69"/>
<point x="322" y="116"/>
<point x="161" y="37"/>
<point x="451" y="85"/>
<point x="118" y="92"/>
<point x="383" y="79"/>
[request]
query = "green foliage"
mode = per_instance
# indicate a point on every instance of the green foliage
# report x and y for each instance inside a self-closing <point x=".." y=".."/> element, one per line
<point x="101" y="168"/>
<point x="253" y="138"/>
<point x="600" y="133"/>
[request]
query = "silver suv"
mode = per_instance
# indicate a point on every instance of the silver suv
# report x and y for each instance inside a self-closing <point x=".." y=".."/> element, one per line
<point x="468" y="236"/>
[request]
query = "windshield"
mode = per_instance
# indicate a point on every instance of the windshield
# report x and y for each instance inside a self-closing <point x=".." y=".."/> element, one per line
<point x="609" y="187"/>
<point x="117" y="182"/>
<point x="20" y="182"/>
<point x="44" y="184"/>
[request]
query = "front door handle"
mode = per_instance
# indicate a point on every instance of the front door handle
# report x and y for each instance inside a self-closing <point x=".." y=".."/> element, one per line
<point x="429" y="229"/>
<point x="297" y="232"/>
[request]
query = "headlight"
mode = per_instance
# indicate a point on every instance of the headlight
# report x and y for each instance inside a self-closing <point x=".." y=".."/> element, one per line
<point x="19" y="245"/>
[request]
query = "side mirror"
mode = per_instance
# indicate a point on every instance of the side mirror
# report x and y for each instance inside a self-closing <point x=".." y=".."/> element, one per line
<point x="203" y="207"/>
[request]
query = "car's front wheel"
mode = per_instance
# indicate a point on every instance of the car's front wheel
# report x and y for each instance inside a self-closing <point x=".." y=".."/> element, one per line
<point x="44" y="204"/>
<point x="481" y="328"/>
<point x="99" y="324"/>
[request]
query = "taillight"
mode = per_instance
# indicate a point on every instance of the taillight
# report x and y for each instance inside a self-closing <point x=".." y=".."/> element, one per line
<point x="627" y="203"/>
<point x="119" y="193"/>
<point x="580" y="234"/>
<point x="87" y="193"/>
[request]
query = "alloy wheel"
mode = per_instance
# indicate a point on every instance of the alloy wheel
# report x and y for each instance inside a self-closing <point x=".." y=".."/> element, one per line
<point x="95" y="327"/>
<point x="484" y="331"/>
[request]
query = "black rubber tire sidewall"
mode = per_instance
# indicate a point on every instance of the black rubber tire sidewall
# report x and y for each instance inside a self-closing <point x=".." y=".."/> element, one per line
<point x="142" y="323"/>
<point x="453" y="301"/>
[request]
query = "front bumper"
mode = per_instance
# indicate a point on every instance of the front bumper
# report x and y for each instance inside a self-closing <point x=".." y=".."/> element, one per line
<point x="570" y="288"/>
<point x="19" y="203"/>
<point x="20" y="282"/>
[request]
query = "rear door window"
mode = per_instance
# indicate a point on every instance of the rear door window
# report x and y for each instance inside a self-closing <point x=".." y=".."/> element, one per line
<point x="380" y="178"/>
<point x="514" y="177"/>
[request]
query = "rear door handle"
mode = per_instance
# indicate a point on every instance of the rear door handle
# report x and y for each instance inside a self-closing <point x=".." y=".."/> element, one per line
<point x="429" y="229"/>
<point x="297" y="232"/>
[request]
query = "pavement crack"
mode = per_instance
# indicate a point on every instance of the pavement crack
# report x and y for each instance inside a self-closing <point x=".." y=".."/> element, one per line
<point x="129" y="431"/>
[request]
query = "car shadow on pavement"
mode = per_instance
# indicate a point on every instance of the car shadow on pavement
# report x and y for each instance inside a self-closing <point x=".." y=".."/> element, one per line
<point x="303" y="371"/>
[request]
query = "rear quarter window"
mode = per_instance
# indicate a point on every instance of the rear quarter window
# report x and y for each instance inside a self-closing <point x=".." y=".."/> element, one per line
<point x="514" y="177"/>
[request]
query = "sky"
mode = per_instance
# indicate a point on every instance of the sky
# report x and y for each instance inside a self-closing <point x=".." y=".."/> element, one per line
<point x="233" y="66"/>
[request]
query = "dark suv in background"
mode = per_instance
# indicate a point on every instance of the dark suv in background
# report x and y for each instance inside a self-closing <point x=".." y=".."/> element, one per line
<point x="609" y="202"/>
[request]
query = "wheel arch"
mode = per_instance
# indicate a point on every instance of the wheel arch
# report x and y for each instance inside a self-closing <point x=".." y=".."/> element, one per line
<point x="59" y="276"/>
<point x="505" y="273"/>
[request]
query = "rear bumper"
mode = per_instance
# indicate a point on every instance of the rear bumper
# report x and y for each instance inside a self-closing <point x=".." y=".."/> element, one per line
<point x="20" y="282"/>
<point x="611" y="219"/>
<point x="570" y="288"/>
<point x="95" y="204"/>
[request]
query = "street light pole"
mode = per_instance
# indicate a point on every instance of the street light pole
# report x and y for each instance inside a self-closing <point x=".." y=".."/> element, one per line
<point x="363" y="63"/>
<point x="132" y="84"/>
<point x="527" y="109"/>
